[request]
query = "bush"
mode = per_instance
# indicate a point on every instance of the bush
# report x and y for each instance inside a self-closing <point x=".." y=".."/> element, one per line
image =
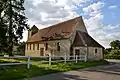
<point x="113" y="54"/>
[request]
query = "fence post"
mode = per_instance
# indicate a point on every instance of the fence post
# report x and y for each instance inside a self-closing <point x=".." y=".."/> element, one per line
<point x="28" y="63"/>
<point x="76" y="58"/>
<point x="49" y="60"/>
<point x="65" y="59"/>
<point x="85" y="57"/>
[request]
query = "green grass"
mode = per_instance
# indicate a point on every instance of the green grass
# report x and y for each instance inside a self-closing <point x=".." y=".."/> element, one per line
<point x="38" y="69"/>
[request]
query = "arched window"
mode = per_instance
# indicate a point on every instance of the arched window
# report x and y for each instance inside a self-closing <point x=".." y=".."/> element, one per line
<point x="95" y="50"/>
<point x="58" y="46"/>
<point x="37" y="46"/>
<point x="46" y="46"/>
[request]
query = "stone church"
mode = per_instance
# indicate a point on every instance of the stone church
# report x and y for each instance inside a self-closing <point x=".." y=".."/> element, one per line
<point x="68" y="38"/>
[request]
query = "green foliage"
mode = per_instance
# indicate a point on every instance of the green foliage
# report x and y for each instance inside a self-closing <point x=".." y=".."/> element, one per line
<point x="38" y="69"/>
<point x="15" y="21"/>
<point x="3" y="28"/>
<point x="113" y="54"/>
<point x="21" y="48"/>
<point x="114" y="51"/>
<point x="115" y="44"/>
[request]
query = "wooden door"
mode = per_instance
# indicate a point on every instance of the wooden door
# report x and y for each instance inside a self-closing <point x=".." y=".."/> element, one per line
<point x="41" y="51"/>
<point x="77" y="52"/>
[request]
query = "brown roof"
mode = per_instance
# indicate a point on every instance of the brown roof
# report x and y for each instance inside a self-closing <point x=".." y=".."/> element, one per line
<point x="83" y="39"/>
<point x="78" y="40"/>
<point x="58" y="31"/>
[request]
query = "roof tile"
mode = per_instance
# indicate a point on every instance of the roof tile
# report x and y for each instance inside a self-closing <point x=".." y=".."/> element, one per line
<point x="64" y="29"/>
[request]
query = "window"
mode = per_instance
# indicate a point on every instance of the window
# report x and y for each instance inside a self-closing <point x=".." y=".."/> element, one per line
<point x="95" y="50"/>
<point x="58" y="46"/>
<point x="30" y="46"/>
<point x="46" y="46"/>
<point x="37" y="46"/>
<point x="33" y="46"/>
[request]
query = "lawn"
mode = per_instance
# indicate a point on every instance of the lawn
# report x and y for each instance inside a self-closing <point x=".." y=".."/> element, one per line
<point x="37" y="68"/>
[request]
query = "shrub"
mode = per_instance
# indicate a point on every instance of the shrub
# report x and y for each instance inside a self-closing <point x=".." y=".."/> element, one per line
<point x="113" y="54"/>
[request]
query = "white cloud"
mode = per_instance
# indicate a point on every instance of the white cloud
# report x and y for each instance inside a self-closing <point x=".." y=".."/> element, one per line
<point x="95" y="15"/>
<point x="94" y="7"/>
<point x="111" y="27"/>
<point x="112" y="7"/>
<point x="100" y="32"/>
<point x="47" y="12"/>
<point x="42" y="11"/>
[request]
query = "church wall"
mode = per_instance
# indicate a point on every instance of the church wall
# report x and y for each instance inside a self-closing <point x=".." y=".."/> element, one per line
<point x="95" y="55"/>
<point x="52" y="48"/>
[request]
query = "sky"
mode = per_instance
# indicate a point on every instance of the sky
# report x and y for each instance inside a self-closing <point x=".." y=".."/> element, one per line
<point x="101" y="17"/>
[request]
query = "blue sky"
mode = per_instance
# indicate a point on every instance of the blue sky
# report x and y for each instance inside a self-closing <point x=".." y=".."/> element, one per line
<point x="111" y="16"/>
<point x="101" y="17"/>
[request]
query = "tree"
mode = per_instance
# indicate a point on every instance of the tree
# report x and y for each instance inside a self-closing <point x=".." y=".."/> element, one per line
<point x="21" y="48"/>
<point x="16" y="22"/>
<point x="3" y="28"/>
<point x="115" y="44"/>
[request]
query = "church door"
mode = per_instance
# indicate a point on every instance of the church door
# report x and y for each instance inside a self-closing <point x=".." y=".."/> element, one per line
<point x="41" y="51"/>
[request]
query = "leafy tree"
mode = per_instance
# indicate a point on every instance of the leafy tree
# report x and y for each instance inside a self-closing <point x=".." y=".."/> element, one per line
<point x="113" y="54"/>
<point x="3" y="28"/>
<point x="114" y="51"/>
<point x="16" y="22"/>
<point x="115" y="44"/>
<point x="21" y="48"/>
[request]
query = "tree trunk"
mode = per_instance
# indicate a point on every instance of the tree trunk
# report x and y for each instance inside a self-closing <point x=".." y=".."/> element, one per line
<point x="10" y="48"/>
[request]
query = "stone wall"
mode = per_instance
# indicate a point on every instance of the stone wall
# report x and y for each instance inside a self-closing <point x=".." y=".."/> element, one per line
<point x="52" y="48"/>
<point x="83" y="50"/>
<point x="90" y="51"/>
<point x="95" y="56"/>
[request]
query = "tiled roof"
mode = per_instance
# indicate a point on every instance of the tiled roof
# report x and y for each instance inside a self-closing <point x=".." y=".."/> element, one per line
<point x="84" y="39"/>
<point x="78" y="40"/>
<point x="58" y="31"/>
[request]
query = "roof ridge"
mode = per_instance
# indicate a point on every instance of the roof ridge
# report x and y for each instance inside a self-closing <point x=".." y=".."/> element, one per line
<point x="64" y="26"/>
<point x="63" y="22"/>
<point x="90" y="37"/>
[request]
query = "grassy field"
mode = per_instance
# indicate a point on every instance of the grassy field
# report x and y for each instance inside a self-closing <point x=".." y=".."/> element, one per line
<point x="37" y="68"/>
